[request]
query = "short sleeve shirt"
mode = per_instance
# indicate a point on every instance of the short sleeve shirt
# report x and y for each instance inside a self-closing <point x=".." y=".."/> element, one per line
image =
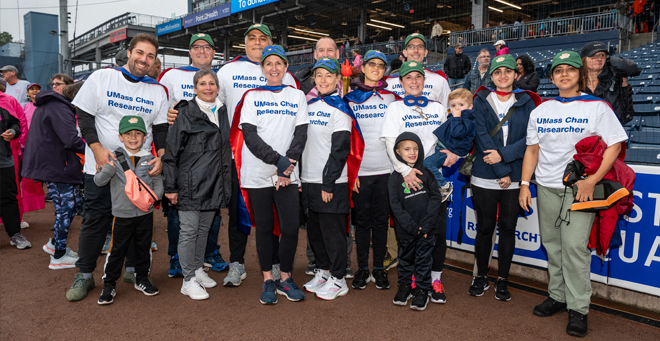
<point x="400" y="118"/>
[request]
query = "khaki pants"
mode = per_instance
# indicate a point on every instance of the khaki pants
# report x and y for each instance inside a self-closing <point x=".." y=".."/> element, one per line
<point x="392" y="245"/>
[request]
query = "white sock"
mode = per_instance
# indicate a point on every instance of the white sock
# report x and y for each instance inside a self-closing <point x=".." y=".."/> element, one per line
<point x="436" y="275"/>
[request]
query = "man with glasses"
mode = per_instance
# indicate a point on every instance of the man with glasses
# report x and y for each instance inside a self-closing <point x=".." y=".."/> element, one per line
<point x="457" y="66"/>
<point x="479" y="76"/>
<point x="435" y="83"/>
<point x="16" y="88"/>
<point x="60" y="81"/>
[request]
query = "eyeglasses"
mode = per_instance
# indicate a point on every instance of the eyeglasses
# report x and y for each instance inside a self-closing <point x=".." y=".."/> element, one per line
<point x="205" y="48"/>
<point x="484" y="57"/>
<point x="56" y="84"/>
<point x="374" y="65"/>
<point x="416" y="47"/>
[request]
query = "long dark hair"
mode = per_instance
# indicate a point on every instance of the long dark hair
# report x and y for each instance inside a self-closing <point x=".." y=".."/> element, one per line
<point x="527" y="63"/>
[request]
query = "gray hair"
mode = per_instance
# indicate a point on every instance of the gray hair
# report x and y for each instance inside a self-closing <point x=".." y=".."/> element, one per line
<point x="201" y="73"/>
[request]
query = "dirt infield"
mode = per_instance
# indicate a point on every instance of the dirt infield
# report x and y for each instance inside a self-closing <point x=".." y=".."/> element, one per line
<point x="33" y="305"/>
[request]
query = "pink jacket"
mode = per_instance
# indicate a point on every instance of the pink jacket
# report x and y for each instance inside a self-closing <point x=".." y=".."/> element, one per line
<point x="29" y="111"/>
<point x="10" y="104"/>
<point x="502" y="51"/>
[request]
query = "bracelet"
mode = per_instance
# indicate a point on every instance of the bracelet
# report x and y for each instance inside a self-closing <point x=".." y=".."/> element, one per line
<point x="524" y="183"/>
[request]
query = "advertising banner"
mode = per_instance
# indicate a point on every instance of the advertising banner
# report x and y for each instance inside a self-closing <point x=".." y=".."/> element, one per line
<point x="168" y="27"/>
<point x="118" y="35"/>
<point x="242" y="5"/>
<point x="210" y="14"/>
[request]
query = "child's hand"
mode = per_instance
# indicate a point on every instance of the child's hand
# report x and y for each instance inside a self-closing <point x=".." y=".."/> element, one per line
<point x="111" y="164"/>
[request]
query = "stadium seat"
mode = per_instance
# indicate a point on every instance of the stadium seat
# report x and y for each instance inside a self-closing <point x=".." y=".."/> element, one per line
<point x="643" y="154"/>
<point x="647" y="109"/>
<point x="645" y="99"/>
<point x="648" y="122"/>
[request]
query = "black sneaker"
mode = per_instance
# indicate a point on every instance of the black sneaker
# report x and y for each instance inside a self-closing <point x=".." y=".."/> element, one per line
<point x="310" y="268"/>
<point x="549" y="307"/>
<point x="107" y="295"/>
<point x="479" y="285"/>
<point x="402" y="295"/>
<point x="577" y="324"/>
<point x="361" y="278"/>
<point x="502" y="290"/>
<point x="380" y="277"/>
<point x="437" y="292"/>
<point x="420" y="301"/>
<point x="146" y="287"/>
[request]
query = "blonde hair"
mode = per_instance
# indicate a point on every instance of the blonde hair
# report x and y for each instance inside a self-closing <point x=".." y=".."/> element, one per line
<point x="461" y="93"/>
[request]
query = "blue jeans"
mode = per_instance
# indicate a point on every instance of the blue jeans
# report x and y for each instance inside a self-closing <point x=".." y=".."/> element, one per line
<point x="174" y="227"/>
<point x="454" y="81"/>
<point x="434" y="164"/>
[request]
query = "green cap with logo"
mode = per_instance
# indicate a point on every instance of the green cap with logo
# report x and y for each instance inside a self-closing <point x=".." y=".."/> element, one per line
<point x="261" y="27"/>
<point x="329" y="64"/>
<point x="371" y="54"/>
<point x="415" y="36"/>
<point x="567" y="57"/>
<point x="505" y="60"/>
<point x="411" y="66"/>
<point x="129" y="123"/>
<point x="274" y="50"/>
<point x="201" y="36"/>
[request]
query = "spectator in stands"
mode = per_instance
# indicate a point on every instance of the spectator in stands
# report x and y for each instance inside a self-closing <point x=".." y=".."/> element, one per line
<point x="60" y="81"/>
<point x="436" y="31"/>
<point x="518" y="28"/>
<point x="500" y="47"/>
<point x="457" y="66"/>
<point x="33" y="90"/>
<point x="470" y="35"/>
<point x="357" y="58"/>
<point x="357" y="41"/>
<point x="16" y="88"/>
<point x="480" y="76"/>
<point x="392" y="46"/>
<point x="155" y="69"/>
<point x="394" y="67"/>
<point x="526" y="78"/>
<point x="500" y="31"/>
<point x="606" y="77"/>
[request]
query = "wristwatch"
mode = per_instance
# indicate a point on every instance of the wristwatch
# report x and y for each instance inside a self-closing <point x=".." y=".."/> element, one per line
<point x="522" y="182"/>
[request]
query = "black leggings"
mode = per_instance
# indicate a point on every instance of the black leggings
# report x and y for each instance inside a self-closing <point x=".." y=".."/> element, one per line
<point x="371" y="219"/>
<point x="486" y="203"/>
<point x="287" y="205"/>
<point x="440" y="248"/>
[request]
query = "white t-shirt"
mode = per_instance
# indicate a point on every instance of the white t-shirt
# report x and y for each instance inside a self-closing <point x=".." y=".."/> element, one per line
<point x="556" y="127"/>
<point x="19" y="91"/>
<point x="323" y="121"/>
<point x="179" y="85"/>
<point x="239" y="76"/>
<point x="276" y="116"/>
<point x="435" y="87"/>
<point x="370" y="116"/>
<point x="400" y="118"/>
<point x="108" y="96"/>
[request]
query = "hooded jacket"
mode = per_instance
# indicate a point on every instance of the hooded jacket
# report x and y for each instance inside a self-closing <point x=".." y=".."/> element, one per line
<point x="457" y="133"/>
<point x="414" y="209"/>
<point x="50" y="151"/>
<point x="7" y="121"/>
<point x="609" y="86"/>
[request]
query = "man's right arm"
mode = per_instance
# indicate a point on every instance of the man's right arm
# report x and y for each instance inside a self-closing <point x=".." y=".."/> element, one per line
<point x="87" y="125"/>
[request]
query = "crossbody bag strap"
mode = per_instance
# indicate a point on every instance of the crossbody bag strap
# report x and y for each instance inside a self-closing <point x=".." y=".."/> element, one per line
<point x="502" y="122"/>
<point x="122" y="160"/>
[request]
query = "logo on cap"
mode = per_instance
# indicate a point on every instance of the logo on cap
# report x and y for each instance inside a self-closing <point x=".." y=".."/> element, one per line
<point x="201" y="35"/>
<point x="564" y="56"/>
<point x="414" y="34"/>
<point x="256" y="25"/>
<point x="412" y="64"/>
<point x="377" y="51"/>
<point x="133" y="120"/>
<point x="499" y="60"/>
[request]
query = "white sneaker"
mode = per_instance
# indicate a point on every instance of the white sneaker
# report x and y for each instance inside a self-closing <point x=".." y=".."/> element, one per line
<point x="332" y="289"/>
<point x="194" y="290"/>
<point x="320" y="278"/>
<point x="49" y="248"/>
<point x="204" y="279"/>
<point x="65" y="262"/>
<point x="24" y="224"/>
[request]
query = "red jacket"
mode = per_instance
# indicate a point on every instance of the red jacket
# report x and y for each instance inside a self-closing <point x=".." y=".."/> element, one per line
<point x="590" y="153"/>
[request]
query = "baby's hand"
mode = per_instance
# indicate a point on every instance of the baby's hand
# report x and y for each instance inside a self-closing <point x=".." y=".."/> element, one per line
<point x="111" y="164"/>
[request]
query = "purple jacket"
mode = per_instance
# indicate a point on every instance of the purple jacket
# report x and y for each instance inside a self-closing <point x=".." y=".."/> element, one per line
<point x="53" y="141"/>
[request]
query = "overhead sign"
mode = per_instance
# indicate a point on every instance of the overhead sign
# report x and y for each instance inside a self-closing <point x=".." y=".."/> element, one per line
<point x="242" y="5"/>
<point x="168" y="27"/>
<point x="118" y="35"/>
<point x="210" y="14"/>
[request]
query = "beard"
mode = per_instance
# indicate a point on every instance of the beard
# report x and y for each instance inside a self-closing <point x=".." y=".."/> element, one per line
<point x="134" y="70"/>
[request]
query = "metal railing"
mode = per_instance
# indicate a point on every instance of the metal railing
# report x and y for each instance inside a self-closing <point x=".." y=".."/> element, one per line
<point x="550" y="27"/>
<point x="388" y="47"/>
<point x="125" y="19"/>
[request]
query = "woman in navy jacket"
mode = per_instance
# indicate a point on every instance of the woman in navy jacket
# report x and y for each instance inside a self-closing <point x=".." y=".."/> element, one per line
<point x="497" y="169"/>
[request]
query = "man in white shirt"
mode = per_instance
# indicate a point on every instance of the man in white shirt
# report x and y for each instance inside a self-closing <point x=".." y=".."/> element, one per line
<point x="16" y="88"/>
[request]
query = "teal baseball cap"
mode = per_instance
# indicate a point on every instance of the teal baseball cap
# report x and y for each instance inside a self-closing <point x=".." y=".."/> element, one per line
<point x="371" y="54"/>
<point x="274" y="50"/>
<point x="329" y="64"/>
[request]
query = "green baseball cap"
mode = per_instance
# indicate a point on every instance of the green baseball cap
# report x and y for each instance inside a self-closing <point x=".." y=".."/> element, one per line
<point x="567" y="57"/>
<point x="261" y="27"/>
<point x="201" y="36"/>
<point x="504" y="60"/>
<point x="415" y="36"/>
<point x="371" y="54"/>
<point x="274" y="50"/>
<point x="329" y="64"/>
<point x="411" y="66"/>
<point x="129" y="123"/>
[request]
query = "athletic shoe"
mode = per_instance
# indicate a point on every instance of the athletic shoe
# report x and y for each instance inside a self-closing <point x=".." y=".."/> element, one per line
<point x="420" y="300"/>
<point x="64" y="262"/>
<point x="390" y="262"/>
<point x="175" y="267"/>
<point x="129" y="276"/>
<point x="235" y="276"/>
<point x="290" y="289"/>
<point x="437" y="292"/>
<point x="333" y="288"/>
<point x="49" y="248"/>
<point x="146" y="287"/>
<point x="107" y="295"/>
<point x="268" y="292"/>
<point x="502" y="290"/>
<point x="349" y="272"/>
<point x="318" y="281"/>
<point x="310" y="268"/>
<point x="446" y="191"/>
<point x="276" y="272"/>
<point x="204" y="279"/>
<point x="154" y="247"/>
<point x="215" y="262"/>
<point x="479" y="285"/>
<point x="106" y="245"/>
<point x="380" y="278"/>
<point x="24" y="224"/>
<point x="20" y="242"/>
<point x="402" y="295"/>
<point x="577" y="324"/>
<point x="549" y="307"/>
<point x="361" y="279"/>
<point x="194" y="290"/>
<point x="80" y="287"/>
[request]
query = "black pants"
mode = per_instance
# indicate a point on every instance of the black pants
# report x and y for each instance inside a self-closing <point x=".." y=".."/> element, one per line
<point x="440" y="248"/>
<point x="97" y="220"/>
<point x="486" y="202"/>
<point x="140" y="230"/>
<point x="327" y="237"/>
<point x="287" y="205"/>
<point x="9" y="212"/>
<point x="371" y="213"/>
<point x="416" y="257"/>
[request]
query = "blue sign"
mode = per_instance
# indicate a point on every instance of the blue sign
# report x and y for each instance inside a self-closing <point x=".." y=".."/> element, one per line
<point x="168" y="27"/>
<point x="210" y="14"/>
<point x="242" y="5"/>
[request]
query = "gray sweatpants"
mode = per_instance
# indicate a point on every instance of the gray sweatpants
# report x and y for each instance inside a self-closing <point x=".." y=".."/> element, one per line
<point x="195" y="226"/>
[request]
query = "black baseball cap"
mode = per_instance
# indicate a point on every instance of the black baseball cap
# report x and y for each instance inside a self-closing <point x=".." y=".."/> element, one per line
<point x="590" y="49"/>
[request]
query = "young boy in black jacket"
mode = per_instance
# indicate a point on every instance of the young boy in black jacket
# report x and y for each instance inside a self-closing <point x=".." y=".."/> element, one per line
<point x="416" y="216"/>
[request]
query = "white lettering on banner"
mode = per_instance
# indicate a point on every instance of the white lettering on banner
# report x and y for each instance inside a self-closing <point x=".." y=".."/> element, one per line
<point x="652" y="257"/>
<point x="635" y="248"/>
<point x="638" y="211"/>
<point x="208" y="15"/>
<point x="656" y="219"/>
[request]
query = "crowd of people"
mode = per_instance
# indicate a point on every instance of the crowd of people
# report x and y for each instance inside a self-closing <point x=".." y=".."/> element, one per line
<point x="281" y="151"/>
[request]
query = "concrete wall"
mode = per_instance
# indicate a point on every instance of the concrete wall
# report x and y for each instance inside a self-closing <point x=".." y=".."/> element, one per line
<point x="41" y="47"/>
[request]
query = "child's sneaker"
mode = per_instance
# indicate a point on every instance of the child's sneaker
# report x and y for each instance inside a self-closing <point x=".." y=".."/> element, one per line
<point x="204" y="279"/>
<point x="107" y="295"/>
<point x="420" y="300"/>
<point x="24" y="224"/>
<point x="310" y="268"/>
<point x="290" y="289"/>
<point x="332" y="289"/>
<point x="402" y="295"/>
<point x="380" y="277"/>
<point x="154" y="247"/>
<point x="106" y="245"/>
<point x="64" y="262"/>
<point x="361" y="279"/>
<point x="49" y="248"/>
<point x="175" y="267"/>
<point x="194" y="290"/>
<point x="268" y="292"/>
<point x="215" y="262"/>
<point x="146" y="287"/>
<point x="502" y="290"/>
<point x="390" y="262"/>
<point x="479" y="285"/>
<point x="446" y="191"/>
<point x="318" y="281"/>
<point x="437" y="292"/>
<point x="236" y="275"/>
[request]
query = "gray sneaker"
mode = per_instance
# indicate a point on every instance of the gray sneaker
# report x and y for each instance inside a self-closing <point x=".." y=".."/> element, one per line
<point x="20" y="242"/>
<point x="349" y="272"/>
<point x="446" y="191"/>
<point x="236" y="275"/>
<point x="276" y="272"/>
<point x="79" y="288"/>
<point x="311" y="268"/>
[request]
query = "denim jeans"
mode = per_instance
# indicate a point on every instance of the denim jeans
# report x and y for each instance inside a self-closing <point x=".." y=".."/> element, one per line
<point x="434" y="164"/>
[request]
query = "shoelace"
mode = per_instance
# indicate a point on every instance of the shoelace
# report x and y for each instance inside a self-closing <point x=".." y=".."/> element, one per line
<point x="269" y="286"/>
<point x="78" y="283"/>
<point x="291" y="284"/>
<point x="234" y="271"/>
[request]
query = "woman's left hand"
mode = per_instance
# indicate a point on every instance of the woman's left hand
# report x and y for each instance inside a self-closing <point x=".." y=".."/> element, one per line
<point x="505" y="182"/>
<point x="282" y="182"/>
<point x="492" y="157"/>
<point x="585" y="190"/>
<point x="326" y="196"/>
